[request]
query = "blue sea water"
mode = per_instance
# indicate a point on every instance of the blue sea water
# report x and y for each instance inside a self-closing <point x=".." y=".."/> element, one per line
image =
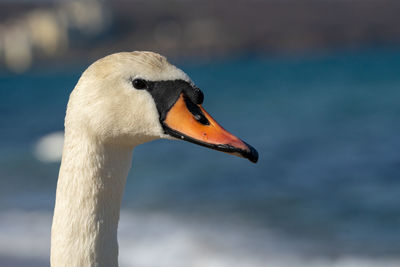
<point x="325" y="190"/>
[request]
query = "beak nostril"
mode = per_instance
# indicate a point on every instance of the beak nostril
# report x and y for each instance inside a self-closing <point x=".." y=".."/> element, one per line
<point x="195" y="110"/>
<point x="202" y="119"/>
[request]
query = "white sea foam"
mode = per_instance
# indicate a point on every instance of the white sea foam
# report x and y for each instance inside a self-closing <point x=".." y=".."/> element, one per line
<point x="49" y="147"/>
<point x="157" y="240"/>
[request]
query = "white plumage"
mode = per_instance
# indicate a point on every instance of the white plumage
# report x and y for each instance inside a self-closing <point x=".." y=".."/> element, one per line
<point x="106" y="118"/>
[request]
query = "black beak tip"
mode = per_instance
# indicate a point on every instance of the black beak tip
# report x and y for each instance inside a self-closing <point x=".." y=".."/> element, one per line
<point x="252" y="154"/>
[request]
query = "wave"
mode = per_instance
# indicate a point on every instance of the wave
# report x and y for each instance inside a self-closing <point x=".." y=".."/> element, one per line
<point x="162" y="240"/>
<point x="49" y="147"/>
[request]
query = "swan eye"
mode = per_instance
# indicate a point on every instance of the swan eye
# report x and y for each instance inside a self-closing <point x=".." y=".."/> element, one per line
<point x="139" y="84"/>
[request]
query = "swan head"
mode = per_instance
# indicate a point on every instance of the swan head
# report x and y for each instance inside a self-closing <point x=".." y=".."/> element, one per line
<point x="131" y="98"/>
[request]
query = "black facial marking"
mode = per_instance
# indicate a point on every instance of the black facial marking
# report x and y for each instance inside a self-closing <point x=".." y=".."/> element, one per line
<point x="195" y="94"/>
<point x="196" y="111"/>
<point x="166" y="93"/>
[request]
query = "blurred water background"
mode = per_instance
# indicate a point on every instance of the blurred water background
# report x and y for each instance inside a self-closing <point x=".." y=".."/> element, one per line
<point x="322" y="114"/>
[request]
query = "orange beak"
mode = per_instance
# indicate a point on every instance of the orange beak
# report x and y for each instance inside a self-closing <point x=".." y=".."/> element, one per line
<point x="188" y="121"/>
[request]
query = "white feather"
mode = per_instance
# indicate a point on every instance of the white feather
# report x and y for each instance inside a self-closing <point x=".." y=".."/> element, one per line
<point x="106" y="118"/>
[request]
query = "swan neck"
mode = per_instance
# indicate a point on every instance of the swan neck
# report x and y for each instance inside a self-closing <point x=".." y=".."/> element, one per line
<point x="89" y="192"/>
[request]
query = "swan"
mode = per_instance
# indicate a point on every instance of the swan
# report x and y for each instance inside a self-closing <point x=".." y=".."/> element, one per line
<point x="121" y="101"/>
